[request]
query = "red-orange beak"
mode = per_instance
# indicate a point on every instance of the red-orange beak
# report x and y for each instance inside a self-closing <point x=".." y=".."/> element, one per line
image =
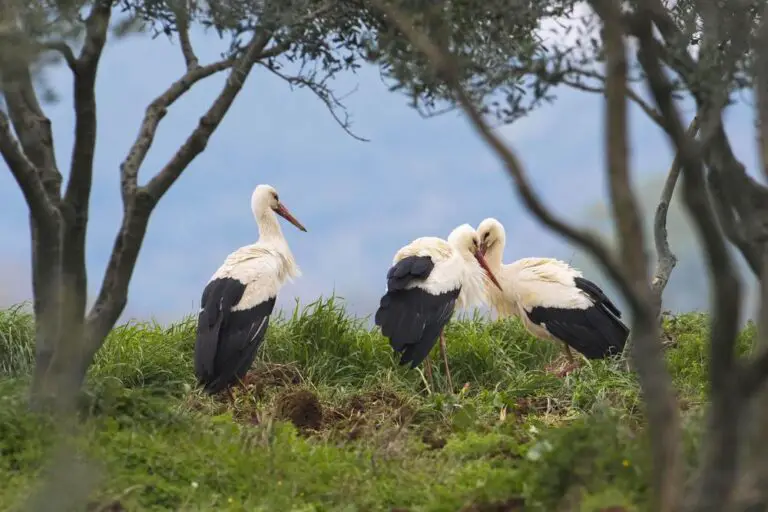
<point x="282" y="211"/>
<point x="484" y="264"/>
<point x="482" y="249"/>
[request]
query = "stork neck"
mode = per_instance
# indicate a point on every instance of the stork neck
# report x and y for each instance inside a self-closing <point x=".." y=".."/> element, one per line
<point x="494" y="255"/>
<point x="269" y="228"/>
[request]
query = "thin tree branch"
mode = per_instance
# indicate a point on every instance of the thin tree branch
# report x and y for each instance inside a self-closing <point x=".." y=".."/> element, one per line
<point x="78" y="190"/>
<point x="444" y="67"/>
<point x="24" y="172"/>
<point x="631" y="94"/>
<point x="182" y="27"/>
<point x="198" y="139"/>
<point x="720" y="461"/>
<point x="65" y="51"/>
<point x="731" y="226"/>
<point x="79" y="186"/>
<point x="665" y="258"/>
<point x="30" y="123"/>
<point x="155" y="112"/>
<point x="282" y="46"/>
<point x="332" y="103"/>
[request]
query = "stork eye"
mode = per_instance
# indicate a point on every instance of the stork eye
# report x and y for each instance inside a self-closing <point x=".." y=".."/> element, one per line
<point x="485" y="236"/>
<point x="275" y="196"/>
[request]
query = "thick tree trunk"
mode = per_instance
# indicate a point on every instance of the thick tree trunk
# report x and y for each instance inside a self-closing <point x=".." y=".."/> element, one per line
<point x="752" y="489"/>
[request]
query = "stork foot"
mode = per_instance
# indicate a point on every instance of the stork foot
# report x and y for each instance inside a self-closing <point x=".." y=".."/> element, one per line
<point x="561" y="367"/>
<point x="568" y="368"/>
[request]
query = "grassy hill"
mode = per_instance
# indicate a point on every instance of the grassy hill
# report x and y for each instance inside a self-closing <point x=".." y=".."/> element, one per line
<point x="330" y="422"/>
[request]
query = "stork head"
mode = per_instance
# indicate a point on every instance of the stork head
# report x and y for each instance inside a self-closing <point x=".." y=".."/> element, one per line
<point x="492" y="235"/>
<point x="465" y="240"/>
<point x="265" y="198"/>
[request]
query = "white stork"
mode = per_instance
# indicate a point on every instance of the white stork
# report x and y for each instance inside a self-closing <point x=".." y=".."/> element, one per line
<point x="239" y="298"/>
<point x="427" y="279"/>
<point x="553" y="300"/>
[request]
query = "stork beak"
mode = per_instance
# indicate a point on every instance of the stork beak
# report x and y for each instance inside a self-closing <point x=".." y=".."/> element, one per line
<point x="482" y="249"/>
<point x="282" y="211"/>
<point x="484" y="264"/>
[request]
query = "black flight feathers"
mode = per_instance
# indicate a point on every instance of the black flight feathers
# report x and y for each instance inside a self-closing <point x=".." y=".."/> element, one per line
<point x="596" y="332"/>
<point x="413" y="318"/>
<point x="227" y="341"/>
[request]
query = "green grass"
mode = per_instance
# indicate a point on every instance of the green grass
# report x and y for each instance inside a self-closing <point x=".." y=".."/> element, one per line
<point x="329" y="421"/>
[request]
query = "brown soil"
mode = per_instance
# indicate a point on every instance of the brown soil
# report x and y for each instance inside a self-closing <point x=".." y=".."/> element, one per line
<point x="364" y="412"/>
<point x="510" y="505"/>
<point x="271" y="375"/>
<point x="110" y="506"/>
<point x="301" y="407"/>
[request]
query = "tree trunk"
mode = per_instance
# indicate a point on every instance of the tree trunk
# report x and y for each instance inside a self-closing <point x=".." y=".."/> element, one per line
<point x="60" y="365"/>
<point x="752" y="490"/>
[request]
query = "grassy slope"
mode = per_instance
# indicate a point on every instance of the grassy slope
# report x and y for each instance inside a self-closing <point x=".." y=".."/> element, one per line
<point x="374" y="441"/>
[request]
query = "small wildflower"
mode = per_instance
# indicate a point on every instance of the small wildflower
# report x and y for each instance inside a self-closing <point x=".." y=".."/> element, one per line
<point x="230" y="500"/>
<point x="625" y="463"/>
<point x="194" y="485"/>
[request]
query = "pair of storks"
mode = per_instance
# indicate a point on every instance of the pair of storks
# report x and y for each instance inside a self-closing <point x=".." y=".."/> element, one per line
<point x="428" y="279"/>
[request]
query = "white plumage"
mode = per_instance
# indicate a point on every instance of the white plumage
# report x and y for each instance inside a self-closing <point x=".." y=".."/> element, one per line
<point x="239" y="298"/>
<point x="264" y="268"/>
<point x="553" y="300"/>
<point x="428" y="278"/>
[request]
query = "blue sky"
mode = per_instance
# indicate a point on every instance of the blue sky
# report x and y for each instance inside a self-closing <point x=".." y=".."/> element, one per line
<point x="359" y="201"/>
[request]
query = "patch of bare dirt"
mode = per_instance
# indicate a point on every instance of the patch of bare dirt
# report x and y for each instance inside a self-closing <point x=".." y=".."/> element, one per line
<point x="433" y="440"/>
<point x="301" y="407"/>
<point x="363" y="413"/>
<point x="510" y="505"/>
<point x="110" y="506"/>
<point x="535" y="405"/>
<point x="271" y="375"/>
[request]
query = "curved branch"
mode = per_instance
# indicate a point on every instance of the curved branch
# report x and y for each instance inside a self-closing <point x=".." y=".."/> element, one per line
<point x="665" y="258"/>
<point x="25" y="173"/>
<point x="324" y="94"/>
<point x="155" y="112"/>
<point x="65" y="51"/>
<point x="198" y="139"/>
<point x="631" y="94"/>
<point x="181" y="13"/>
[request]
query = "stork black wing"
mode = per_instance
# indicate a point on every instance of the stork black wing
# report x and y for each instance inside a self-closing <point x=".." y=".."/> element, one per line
<point x="413" y="318"/>
<point x="227" y="339"/>
<point x="596" y="331"/>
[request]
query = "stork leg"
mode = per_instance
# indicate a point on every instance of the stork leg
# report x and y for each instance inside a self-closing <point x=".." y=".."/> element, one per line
<point x="428" y="371"/>
<point x="568" y="353"/>
<point x="571" y="365"/>
<point x="445" y="360"/>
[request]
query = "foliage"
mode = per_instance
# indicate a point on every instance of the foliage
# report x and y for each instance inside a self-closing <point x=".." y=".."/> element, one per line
<point x="515" y="435"/>
<point x="496" y="50"/>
